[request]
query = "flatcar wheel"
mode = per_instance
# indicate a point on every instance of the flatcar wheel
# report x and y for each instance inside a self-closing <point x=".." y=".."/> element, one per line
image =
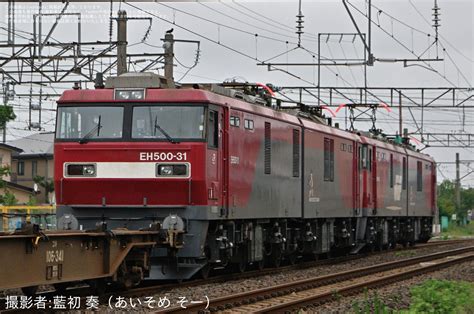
<point x="61" y="287"/>
<point x="30" y="291"/>
<point x="98" y="286"/>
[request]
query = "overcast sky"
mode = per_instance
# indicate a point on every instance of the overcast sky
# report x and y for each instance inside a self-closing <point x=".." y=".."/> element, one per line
<point x="225" y="25"/>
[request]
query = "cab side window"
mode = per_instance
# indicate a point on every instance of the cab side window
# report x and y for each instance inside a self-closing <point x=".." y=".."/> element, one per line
<point x="213" y="129"/>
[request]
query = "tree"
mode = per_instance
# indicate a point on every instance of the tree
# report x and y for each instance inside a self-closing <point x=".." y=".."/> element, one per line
<point x="446" y="198"/>
<point x="467" y="199"/>
<point x="45" y="183"/>
<point x="8" y="198"/>
<point x="6" y="114"/>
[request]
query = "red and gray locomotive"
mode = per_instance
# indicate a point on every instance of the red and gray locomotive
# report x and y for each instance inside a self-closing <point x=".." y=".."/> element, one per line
<point x="246" y="182"/>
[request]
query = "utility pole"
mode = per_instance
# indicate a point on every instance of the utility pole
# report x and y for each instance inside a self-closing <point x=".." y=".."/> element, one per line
<point x="400" y="114"/>
<point x="5" y="100"/>
<point x="121" y="42"/>
<point x="7" y="95"/>
<point x="169" y="56"/>
<point x="458" y="185"/>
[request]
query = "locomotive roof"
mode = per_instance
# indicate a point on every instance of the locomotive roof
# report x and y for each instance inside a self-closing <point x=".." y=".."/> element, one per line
<point x="198" y="96"/>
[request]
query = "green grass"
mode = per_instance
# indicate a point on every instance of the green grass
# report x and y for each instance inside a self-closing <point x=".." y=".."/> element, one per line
<point x="442" y="296"/>
<point x="432" y="296"/>
<point x="455" y="231"/>
<point x="371" y="305"/>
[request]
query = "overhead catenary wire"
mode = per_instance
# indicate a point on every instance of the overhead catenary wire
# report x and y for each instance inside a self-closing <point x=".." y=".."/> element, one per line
<point x="442" y="37"/>
<point x="429" y="35"/>
<point x="274" y="23"/>
<point x="239" y="52"/>
<point x="234" y="18"/>
<point x="215" y="23"/>
<point x="402" y="44"/>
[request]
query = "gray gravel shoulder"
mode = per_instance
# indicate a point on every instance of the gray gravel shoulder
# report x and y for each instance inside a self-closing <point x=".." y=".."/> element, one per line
<point x="215" y="290"/>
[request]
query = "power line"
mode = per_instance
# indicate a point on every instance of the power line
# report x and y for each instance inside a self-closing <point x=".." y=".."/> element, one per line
<point x="233" y="18"/>
<point x="276" y="24"/>
<point x="215" y="23"/>
<point x="401" y="44"/>
<point x="451" y="45"/>
<point x="216" y="42"/>
<point x="427" y="34"/>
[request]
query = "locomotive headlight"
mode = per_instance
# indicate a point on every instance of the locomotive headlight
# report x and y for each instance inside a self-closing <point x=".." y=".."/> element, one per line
<point x="77" y="170"/>
<point x="89" y="170"/>
<point x="172" y="170"/>
<point x="137" y="94"/>
<point x="130" y="94"/>
<point x="164" y="170"/>
<point x="125" y="94"/>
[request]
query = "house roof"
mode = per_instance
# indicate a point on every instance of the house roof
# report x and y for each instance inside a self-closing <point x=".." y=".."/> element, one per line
<point x="35" y="144"/>
<point x="18" y="186"/>
<point x="10" y="147"/>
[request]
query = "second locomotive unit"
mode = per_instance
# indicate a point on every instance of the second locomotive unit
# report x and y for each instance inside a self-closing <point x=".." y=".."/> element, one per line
<point x="247" y="184"/>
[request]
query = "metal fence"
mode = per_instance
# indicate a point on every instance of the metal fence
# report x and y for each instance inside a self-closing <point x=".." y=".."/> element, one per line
<point x="14" y="216"/>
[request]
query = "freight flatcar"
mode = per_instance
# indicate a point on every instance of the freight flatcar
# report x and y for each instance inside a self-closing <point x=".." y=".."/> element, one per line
<point x="246" y="181"/>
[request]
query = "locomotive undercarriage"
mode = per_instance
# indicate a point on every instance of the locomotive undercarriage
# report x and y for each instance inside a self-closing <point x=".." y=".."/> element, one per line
<point x="259" y="243"/>
<point x="238" y="245"/>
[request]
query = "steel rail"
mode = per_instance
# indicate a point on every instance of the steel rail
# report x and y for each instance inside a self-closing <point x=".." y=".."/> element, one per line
<point x="228" y="302"/>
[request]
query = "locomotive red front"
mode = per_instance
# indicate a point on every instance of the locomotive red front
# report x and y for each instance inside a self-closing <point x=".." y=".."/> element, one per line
<point x="247" y="184"/>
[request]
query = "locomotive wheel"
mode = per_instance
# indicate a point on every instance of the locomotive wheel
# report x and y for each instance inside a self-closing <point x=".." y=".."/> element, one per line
<point x="407" y="244"/>
<point x="292" y="258"/>
<point x="29" y="291"/>
<point x="379" y="246"/>
<point x="241" y="265"/>
<point x="315" y="256"/>
<point x="205" y="271"/>
<point x="261" y="265"/>
<point x="242" y="259"/>
<point x="276" y="256"/>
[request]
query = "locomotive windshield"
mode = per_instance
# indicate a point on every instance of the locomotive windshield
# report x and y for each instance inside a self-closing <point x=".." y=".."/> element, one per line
<point x="165" y="122"/>
<point x="157" y="122"/>
<point x="91" y="122"/>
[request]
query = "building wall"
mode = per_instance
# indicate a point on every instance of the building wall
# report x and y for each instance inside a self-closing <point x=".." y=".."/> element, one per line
<point x="6" y="160"/>
<point x="22" y="196"/>
<point x="44" y="168"/>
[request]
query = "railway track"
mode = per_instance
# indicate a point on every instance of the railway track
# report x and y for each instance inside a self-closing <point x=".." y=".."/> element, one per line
<point x="267" y="271"/>
<point x="153" y="288"/>
<point x="317" y="290"/>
